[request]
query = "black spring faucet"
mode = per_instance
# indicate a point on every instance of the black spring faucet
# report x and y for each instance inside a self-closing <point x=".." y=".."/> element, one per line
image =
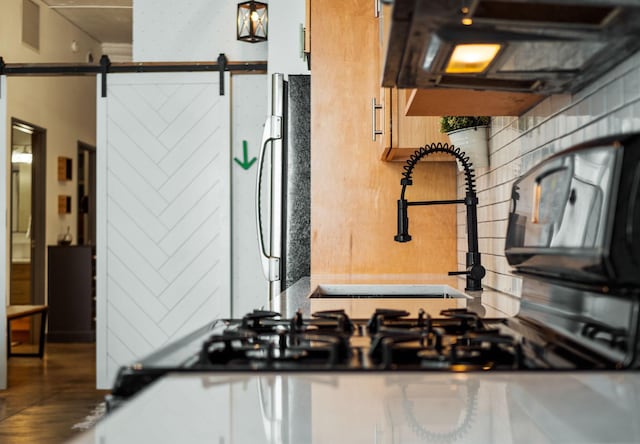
<point x="474" y="269"/>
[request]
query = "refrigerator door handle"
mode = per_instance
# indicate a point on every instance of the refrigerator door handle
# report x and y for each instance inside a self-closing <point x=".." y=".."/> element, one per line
<point x="272" y="131"/>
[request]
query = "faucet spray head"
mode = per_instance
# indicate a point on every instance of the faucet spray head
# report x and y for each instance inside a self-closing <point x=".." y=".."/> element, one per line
<point x="403" y="222"/>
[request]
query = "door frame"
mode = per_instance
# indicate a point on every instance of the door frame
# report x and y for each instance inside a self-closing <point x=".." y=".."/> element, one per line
<point x="38" y="209"/>
<point x="90" y="151"/>
<point x="4" y="126"/>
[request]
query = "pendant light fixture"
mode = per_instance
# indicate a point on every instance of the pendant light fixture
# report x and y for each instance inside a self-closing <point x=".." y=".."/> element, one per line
<point x="252" y="22"/>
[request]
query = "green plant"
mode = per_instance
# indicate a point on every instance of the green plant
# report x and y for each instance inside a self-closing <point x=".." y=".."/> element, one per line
<point x="452" y="123"/>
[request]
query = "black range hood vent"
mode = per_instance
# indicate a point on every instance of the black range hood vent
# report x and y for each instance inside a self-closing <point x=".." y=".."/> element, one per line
<point x="546" y="47"/>
<point x="567" y="14"/>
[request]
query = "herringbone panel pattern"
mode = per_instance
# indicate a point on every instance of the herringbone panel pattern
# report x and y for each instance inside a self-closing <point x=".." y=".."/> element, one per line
<point x="168" y="211"/>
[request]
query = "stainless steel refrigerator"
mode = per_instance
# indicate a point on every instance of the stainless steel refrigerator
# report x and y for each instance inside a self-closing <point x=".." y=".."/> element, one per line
<point x="283" y="188"/>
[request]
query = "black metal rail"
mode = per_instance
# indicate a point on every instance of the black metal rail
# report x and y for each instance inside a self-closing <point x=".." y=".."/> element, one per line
<point x="105" y="67"/>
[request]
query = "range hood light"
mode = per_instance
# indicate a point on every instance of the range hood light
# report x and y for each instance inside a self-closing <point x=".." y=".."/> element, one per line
<point x="432" y="51"/>
<point x="466" y="20"/>
<point x="472" y="58"/>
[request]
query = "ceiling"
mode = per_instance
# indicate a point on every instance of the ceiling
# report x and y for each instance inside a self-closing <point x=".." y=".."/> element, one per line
<point x="107" y="21"/>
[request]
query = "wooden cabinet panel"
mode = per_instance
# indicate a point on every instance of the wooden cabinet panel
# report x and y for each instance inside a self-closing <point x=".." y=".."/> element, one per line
<point x="20" y="284"/>
<point x="403" y="134"/>
<point x="307" y="29"/>
<point x="354" y="194"/>
<point x="71" y="292"/>
<point x="408" y="133"/>
<point x="464" y="102"/>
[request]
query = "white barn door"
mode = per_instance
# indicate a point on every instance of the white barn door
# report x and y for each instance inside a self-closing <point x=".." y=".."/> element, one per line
<point x="163" y="242"/>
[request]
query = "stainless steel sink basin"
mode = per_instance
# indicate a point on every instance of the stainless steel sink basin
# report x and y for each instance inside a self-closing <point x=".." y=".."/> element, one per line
<point x="358" y="291"/>
<point x="360" y="301"/>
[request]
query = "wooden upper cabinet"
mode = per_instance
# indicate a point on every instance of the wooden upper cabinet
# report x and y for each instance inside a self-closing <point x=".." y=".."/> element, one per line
<point x="402" y="135"/>
<point x="307" y="31"/>
<point x="354" y="194"/>
<point x="465" y="102"/>
<point x="406" y="133"/>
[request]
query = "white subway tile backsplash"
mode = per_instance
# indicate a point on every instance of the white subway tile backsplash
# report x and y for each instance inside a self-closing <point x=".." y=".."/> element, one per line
<point x="596" y="104"/>
<point x="570" y="120"/>
<point x="560" y="101"/>
<point x="482" y="182"/>
<point x="582" y="109"/>
<point x="494" y="228"/>
<point x="602" y="127"/>
<point x="610" y="105"/>
<point x="631" y="85"/>
<point x="614" y="95"/>
<point x="615" y="121"/>
<point x="491" y="245"/>
<point x="462" y="256"/>
<point x="635" y="119"/>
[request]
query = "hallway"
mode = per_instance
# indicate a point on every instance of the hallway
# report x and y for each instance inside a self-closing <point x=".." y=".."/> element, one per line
<point x="47" y="397"/>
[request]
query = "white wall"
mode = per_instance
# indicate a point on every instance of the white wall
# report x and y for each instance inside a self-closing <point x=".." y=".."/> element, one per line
<point x="65" y="107"/>
<point x="189" y="30"/>
<point x="57" y="104"/>
<point x="610" y="105"/>
<point x="56" y="35"/>
<point x="285" y="45"/>
<point x="250" y="288"/>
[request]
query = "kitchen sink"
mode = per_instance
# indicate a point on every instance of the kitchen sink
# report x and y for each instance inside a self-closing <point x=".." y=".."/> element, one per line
<point x="360" y="300"/>
<point x="378" y="291"/>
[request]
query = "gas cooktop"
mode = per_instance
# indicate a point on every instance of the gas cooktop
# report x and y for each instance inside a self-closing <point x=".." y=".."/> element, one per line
<point x="455" y="339"/>
<point x="389" y="339"/>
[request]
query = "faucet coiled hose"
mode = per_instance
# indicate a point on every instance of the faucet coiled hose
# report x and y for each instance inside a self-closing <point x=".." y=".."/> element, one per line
<point x="439" y="147"/>
<point x="462" y="425"/>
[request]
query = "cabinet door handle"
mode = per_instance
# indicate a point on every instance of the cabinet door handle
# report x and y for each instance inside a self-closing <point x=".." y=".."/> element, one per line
<point x="302" y="40"/>
<point x="374" y="131"/>
<point x="376" y="8"/>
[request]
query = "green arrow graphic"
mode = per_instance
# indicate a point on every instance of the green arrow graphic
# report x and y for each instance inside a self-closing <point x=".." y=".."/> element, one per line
<point x="246" y="163"/>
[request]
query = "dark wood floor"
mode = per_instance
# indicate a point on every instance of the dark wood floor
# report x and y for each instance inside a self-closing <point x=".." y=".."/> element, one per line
<point x="45" y="398"/>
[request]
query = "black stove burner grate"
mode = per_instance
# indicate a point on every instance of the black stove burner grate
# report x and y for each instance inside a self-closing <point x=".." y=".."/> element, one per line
<point x="263" y="341"/>
<point x="390" y="340"/>
<point x="459" y="342"/>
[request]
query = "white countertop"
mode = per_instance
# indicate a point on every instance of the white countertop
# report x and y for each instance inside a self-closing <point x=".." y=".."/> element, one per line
<point x="379" y="407"/>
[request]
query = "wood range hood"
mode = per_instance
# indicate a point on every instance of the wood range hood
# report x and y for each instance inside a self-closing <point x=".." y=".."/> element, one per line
<point x="540" y="48"/>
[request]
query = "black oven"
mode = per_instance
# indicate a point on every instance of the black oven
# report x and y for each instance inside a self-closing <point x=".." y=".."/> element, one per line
<point x="576" y="215"/>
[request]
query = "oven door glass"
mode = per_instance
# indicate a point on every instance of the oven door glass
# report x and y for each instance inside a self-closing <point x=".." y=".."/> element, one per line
<point x="563" y="203"/>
